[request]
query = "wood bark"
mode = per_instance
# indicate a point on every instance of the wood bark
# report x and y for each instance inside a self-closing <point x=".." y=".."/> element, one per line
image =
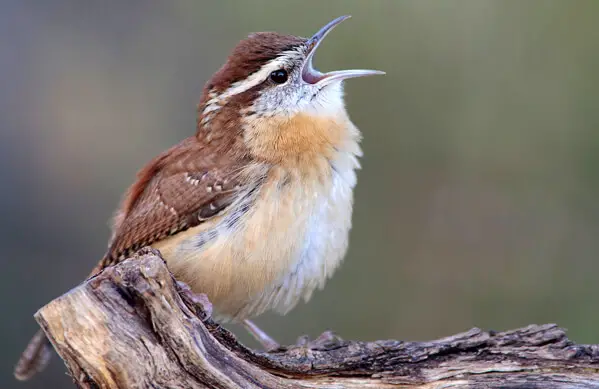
<point x="134" y="326"/>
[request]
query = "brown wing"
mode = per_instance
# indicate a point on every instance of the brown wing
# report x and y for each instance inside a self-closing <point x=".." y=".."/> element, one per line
<point x="179" y="189"/>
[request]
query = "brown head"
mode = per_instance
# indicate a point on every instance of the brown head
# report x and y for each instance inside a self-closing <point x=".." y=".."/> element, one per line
<point x="269" y="80"/>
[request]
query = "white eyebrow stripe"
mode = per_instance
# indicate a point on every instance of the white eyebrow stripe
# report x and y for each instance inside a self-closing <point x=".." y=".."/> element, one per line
<point x="259" y="76"/>
<point x="218" y="100"/>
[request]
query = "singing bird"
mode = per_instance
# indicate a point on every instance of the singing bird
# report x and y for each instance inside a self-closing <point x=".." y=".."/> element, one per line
<point x="254" y="210"/>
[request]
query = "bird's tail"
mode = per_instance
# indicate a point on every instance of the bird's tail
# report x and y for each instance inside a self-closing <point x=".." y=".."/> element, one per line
<point x="35" y="357"/>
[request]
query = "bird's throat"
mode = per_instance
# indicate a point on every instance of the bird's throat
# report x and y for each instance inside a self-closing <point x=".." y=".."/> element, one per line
<point x="299" y="140"/>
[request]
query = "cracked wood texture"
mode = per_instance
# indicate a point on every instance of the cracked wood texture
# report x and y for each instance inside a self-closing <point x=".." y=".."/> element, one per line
<point x="134" y="326"/>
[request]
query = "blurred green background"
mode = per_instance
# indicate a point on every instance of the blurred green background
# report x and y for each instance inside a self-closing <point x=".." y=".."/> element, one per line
<point x="477" y="201"/>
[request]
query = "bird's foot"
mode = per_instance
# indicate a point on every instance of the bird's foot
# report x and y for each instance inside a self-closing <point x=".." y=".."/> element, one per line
<point x="326" y="340"/>
<point x="196" y="299"/>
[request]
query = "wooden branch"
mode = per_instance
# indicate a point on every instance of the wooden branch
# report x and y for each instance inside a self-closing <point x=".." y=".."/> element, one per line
<point x="134" y="326"/>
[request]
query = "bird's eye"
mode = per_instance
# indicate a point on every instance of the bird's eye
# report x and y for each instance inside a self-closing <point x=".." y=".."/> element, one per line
<point x="279" y="76"/>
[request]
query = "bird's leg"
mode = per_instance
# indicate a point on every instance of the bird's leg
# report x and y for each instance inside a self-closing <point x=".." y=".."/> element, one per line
<point x="266" y="341"/>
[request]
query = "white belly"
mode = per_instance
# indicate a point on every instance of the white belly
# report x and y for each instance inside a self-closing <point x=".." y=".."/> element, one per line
<point x="285" y="246"/>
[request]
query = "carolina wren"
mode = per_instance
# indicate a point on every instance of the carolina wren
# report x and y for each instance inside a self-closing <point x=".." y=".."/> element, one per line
<point x="254" y="209"/>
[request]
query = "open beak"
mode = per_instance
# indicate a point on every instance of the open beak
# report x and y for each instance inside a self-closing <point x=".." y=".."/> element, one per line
<point x="313" y="76"/>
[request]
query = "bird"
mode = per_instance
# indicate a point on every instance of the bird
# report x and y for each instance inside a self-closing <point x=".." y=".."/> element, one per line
<point x="255" y="208"/>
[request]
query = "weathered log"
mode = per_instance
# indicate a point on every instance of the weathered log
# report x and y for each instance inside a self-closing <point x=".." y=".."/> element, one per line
<point x="134" y="326"/>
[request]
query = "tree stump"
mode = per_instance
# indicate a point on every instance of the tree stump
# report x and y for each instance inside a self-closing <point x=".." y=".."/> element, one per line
<point x="135" y="326"/>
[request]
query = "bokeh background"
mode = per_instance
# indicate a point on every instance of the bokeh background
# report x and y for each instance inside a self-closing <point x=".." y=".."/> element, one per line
<point x="477" y="201"/>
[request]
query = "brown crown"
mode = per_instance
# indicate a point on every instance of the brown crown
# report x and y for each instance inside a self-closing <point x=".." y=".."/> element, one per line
<point x="246" y="58"/>
<point x="250" y="55"/>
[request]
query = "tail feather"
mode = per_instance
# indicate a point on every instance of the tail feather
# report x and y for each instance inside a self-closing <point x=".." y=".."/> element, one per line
<point x="35" y="357"/>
